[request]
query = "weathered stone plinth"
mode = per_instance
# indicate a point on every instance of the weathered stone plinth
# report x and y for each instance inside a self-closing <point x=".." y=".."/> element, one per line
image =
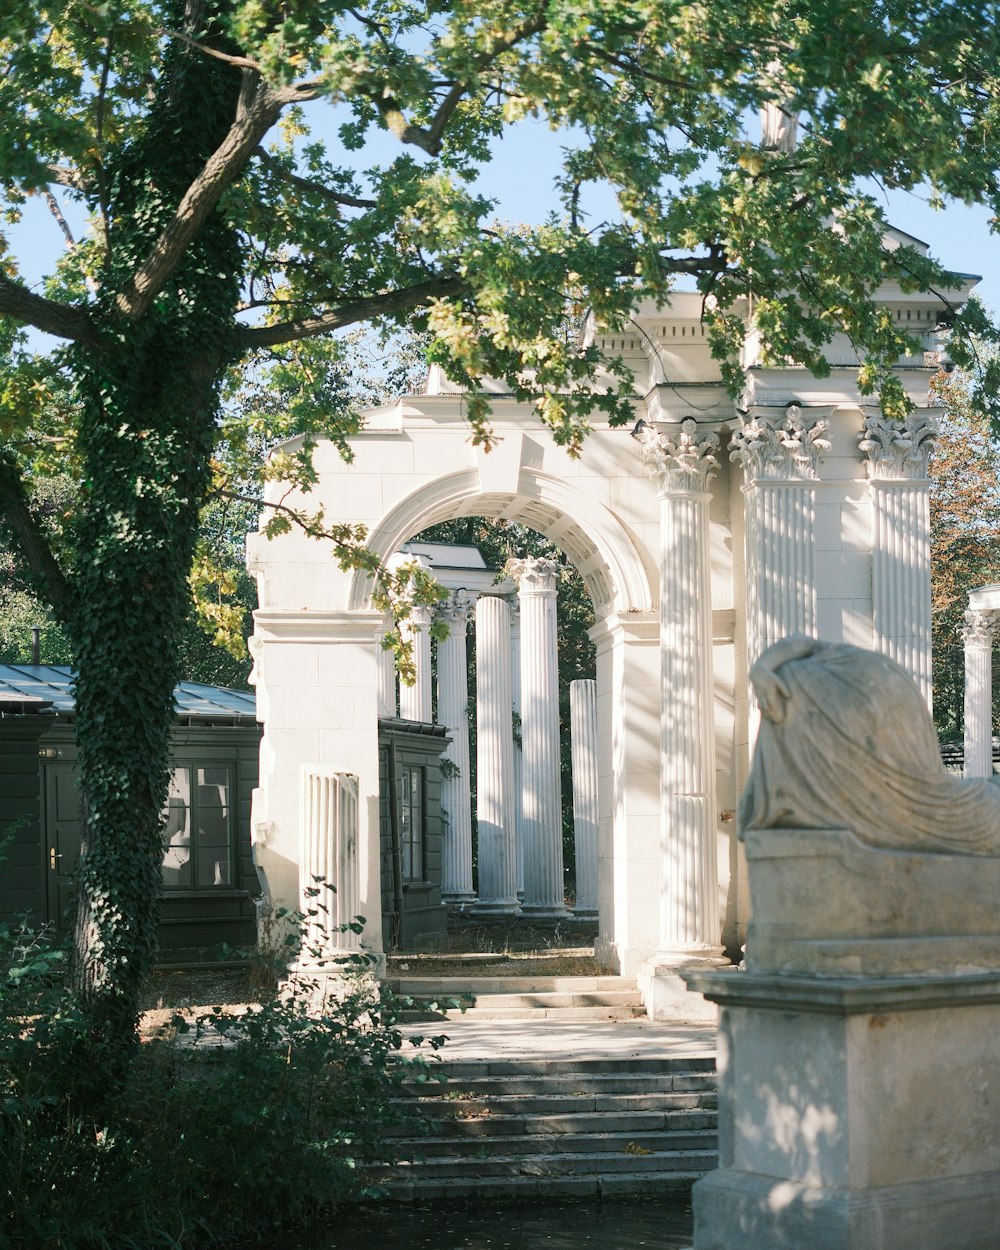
<point x="855" y="1113"/>
<point x="859" y="1088"/>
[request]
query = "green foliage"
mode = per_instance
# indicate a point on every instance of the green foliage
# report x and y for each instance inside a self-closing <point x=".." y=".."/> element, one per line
<point x="965" y="536"/>
<point x="229" y="1126"/>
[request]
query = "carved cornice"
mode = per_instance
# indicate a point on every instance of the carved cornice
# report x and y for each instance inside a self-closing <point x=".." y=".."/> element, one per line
<point x="681" y="461"/>
<point x="898" y="450"/>
<point x="780" y="445"/>
<point x="980" y="628"/>
<point x="535" y="575"/>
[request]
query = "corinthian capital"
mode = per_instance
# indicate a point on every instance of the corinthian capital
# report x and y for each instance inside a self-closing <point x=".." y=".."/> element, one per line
<point x="980" y="628"/>
<point x="455" y="610"/>
<point x="780" y="444"/>
<point x="534" y="575"/>
<point x="681" y="461"/>
<point x="898" y="449"/>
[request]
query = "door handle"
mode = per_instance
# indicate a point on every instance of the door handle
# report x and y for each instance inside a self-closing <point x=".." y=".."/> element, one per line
<point x="53" y="856"/>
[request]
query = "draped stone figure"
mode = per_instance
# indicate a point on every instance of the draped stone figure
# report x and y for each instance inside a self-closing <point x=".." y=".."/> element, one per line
<point x="846" y="742"/>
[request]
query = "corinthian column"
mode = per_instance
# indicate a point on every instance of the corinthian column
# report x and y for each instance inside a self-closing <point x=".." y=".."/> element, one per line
<point x="779" y="450"/>
<point x="682" y="464"/>
<point x="415" y="702"/>
<point x="495" y="761"/>
<point x="453" y="713"/>
<point x="515" y="684"/>
<point x="583" y="722"/>
<point x="541" y="793"/>
<point x="899" y="482"/>
<point x="979" y="634"/>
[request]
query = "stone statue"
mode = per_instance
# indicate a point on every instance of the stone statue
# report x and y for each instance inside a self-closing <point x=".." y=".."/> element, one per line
<point x="847" y="742"/>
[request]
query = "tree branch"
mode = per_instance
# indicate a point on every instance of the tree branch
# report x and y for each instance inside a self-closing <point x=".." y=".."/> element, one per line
<point x="32" y="543"/>
<point x="240" y="62"/>
<point x="220" y="170"/>
<point x="428" y="138"/>
<point x="65" y="321"/>
<point x="317" y="188"/>
<point x="383" y="305"/>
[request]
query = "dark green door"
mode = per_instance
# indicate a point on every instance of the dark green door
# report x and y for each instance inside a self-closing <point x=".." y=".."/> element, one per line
<point x="63" y="831"/>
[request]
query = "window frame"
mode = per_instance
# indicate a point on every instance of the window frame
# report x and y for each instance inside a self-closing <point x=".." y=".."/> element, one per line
<point x="413" y="832"/>
<point x="194" y="765"/>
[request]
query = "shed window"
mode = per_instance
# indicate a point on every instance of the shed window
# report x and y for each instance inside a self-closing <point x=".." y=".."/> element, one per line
<point x="411" y="822"/>
<point x="198" y="841"/>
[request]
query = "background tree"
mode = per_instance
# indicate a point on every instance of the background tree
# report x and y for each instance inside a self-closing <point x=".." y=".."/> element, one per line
<point x="219" y="230"/>
<point x="965" y="536"/>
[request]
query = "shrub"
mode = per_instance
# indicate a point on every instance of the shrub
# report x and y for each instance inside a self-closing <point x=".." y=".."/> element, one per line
<point x="265" y="1124"/>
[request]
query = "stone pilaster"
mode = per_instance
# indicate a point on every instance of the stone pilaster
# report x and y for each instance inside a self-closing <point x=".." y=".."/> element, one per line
<point x="495" y="761"/>
<point x="453" y="713"/>
<point x="682" y="465"/>
<point x="541" y="797"/>
<point x="328" y="857"/>
<point x="385" y="666"/>
<point x="583" y="726"/>
<point x="898" y="453"/>
<point x="415" y="702"/>
<point x="515" y="685"/>
<point x="979" y="635"/>
<point x="779" y="450"/>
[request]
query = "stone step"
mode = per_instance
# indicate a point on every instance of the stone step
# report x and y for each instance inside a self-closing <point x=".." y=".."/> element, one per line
<point x="528" y="1011"/>
<point x="550" y="1164"/>
<point x="460" y="1070"/>
<point x="550" y="999"/>
<point x="571" y="1084"/>
<point x="487" y="1123"/>
<point x="518" y="1188"/>
<point x="466" y="1108"/>
<point x="695" y="1132"/>
<point x="445" y="986"/>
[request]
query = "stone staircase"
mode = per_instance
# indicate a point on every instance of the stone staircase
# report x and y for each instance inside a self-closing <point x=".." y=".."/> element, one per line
<point x="509" y="1128"/>
<point x="522" y="998"/>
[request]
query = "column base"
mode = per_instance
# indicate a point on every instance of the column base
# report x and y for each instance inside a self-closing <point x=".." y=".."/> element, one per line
<point x="585" y="913"/>
<point x="458" y="898"/>
<point x="495" y="907"/>
<point x="666" y="994"/>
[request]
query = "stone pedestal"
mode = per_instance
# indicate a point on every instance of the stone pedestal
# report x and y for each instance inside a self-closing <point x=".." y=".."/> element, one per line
<point x="416" y="702"/>
<point x="541" y="791"/>
<point x="859" y="1089"/>
<point x="495" y="761"/>
<point x="453" y="713"/>
<point x="583" y="726"/>
<point x="854" y="1114"/>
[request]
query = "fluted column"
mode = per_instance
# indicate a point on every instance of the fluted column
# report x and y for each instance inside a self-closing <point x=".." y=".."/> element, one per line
<point x="453" y="713"/>
<point x="779" y="450"/>
<point x="495" y="761"/>
<point x="515" y="685"/>
<point x="898" y="453"/>
<point x="682" y="464"/>
<point x="583" y="726"/>
<point x="541" y="794"/>
<point x="385" y="677"/>
<point x="979" y="634"/>
<point x="415" y="702"/>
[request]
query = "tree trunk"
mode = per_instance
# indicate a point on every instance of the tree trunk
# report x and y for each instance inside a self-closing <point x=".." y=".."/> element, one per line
<point x="149" y="394"/>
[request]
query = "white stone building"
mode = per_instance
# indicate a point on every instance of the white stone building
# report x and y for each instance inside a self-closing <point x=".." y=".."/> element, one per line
<point x="703" y="535"/>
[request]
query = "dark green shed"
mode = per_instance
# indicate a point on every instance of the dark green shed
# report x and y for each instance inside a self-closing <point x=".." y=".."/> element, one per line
<point x="209" y="881"/>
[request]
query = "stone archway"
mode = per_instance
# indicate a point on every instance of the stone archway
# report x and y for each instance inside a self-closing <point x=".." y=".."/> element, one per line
<point x="695" y="560"/>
